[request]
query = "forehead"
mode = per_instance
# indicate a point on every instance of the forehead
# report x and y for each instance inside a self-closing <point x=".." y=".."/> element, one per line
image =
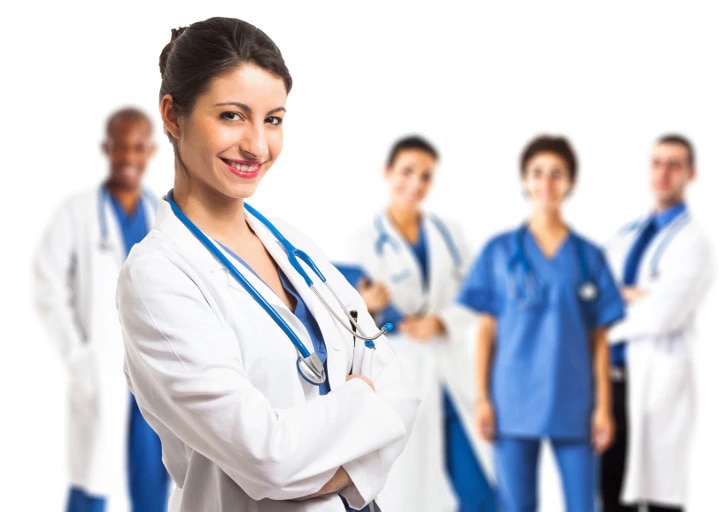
<point x="549" y="158"/>
<point x="126" y="127"/>
<point x="248" y="84"/>
<point x="414" y="156"/>
<point x="670" y="150"/>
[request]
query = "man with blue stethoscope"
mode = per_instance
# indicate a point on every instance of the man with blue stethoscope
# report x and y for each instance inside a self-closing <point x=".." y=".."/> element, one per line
<point x="664" y="264"/>
<point x="115" y="460"/>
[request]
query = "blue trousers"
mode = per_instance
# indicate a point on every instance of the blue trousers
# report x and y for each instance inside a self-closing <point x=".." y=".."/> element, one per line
<point x="474" y="492"/>
<point x="516" y="463"/>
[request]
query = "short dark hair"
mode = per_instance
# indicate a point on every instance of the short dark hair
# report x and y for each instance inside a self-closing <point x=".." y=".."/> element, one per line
<point x="410" y="142"/>
<point x="197" y="54"/>
<point x="675" y="138"/>
<point x="126" y="114"/>
<point x="550" y="144"/>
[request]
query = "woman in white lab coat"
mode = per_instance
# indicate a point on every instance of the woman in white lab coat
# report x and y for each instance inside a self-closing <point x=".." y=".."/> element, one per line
<point x="412" y="262"/>
<point x="262" y="399"/>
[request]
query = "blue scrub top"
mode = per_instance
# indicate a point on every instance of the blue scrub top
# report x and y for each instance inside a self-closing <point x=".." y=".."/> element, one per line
<point x="133" y="226"/>
<point x="542" y="371"/>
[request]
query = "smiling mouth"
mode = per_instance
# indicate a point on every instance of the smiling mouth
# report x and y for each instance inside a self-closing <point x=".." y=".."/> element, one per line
<point x="243" y="169"/>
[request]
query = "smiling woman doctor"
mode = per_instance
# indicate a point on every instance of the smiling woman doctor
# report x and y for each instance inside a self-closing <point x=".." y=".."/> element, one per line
<point x="414" y="262"/>
<point x="262" y="397"/>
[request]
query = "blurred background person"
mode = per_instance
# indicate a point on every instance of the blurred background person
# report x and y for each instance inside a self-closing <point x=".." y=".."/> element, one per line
<point x="114" y="457"/>
<point x="408" y="265"/>
<point x="546" y="298"/>
<point x="663" y="263"/>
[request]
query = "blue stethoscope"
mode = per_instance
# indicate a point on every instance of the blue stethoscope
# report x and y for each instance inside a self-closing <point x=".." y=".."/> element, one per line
<point x="525" y="294"/>
<point x="671" y="230"/>
<point x="309" y="365"/>
<point x="104" y="198"/>
<point x="383" y="237"/>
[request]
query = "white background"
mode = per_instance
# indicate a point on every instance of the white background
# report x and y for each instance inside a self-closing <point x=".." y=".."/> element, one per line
<point x="478" y="82"/>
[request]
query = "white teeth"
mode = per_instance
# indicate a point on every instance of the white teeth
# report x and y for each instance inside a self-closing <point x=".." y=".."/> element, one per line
<point x="242" y="167"/>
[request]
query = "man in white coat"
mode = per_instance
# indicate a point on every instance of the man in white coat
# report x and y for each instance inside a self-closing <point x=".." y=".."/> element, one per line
<point x="663" y="262"/>
<point x="114" y="456"/>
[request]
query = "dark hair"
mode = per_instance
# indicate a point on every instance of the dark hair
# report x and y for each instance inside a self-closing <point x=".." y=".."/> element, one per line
<point x="550" y="144"/>
<point x="410" y="142"/>
<point x="206" y="49"/>
<point x="673" y="138"/>
<point x="126" y="114"/>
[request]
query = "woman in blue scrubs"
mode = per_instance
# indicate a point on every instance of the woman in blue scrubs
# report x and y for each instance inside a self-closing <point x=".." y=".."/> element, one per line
<point x="546" y="298"/>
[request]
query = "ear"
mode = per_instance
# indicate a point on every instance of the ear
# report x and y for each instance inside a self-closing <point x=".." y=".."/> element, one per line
<point x="105" y="149"/>
<point x="693" y="174"/>
<point x="169" y="117"/>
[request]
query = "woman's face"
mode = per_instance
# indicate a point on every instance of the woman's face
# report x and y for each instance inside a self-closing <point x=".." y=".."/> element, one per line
<point x="410" y="178"/>
<point x="547" y="181"/>
<point x="234" y="133"/>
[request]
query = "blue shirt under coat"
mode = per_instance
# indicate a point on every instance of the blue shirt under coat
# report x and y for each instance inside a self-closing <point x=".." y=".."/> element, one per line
<point x="542" y="369"/>
<point x="133" y="226"/>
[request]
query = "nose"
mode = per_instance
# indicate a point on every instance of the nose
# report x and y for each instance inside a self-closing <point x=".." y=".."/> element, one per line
<point x="253" y="143"/>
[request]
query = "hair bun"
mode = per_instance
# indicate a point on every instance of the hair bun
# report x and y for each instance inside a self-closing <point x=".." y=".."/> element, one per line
<point x="176" y="33"/>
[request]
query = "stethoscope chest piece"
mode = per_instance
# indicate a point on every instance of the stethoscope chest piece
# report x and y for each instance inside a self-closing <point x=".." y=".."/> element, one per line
<point x="587" y="291"/>
<point x="311" y="369"/>
<point x="104" y="245"/>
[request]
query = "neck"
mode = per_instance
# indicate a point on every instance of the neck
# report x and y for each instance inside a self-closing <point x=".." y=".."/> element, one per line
<point x="218" y="216"/>
<point x="404" y="218"/>
<point x="662" y="206"/>
<point x="128" y="198"/>
<point x="546" y="221"/>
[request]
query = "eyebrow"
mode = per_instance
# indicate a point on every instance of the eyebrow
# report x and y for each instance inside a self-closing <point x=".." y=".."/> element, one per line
<point x="246" y="108"/>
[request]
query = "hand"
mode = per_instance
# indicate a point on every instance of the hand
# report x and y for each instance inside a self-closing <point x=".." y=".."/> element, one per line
<point x="337" y="482"/>
<point x="363" y="378"/>
<point x="632" y="293"/>
<point x="375" y="295"/>
<point x="485" y="420"/>
<point x="602" y="429"/>
<point x="422" y="328"/>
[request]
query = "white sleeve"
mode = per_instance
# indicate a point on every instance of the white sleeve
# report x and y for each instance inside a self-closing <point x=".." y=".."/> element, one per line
<point x="53" y="266"/>
<point x="205" y="397"/>
<point x="368" y="473"/>
<point x="671" y="301"/>
<point x="459" y="322"/>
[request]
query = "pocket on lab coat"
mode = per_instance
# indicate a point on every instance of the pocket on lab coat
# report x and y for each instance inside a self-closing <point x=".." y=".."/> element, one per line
<point x="83" y="380"/>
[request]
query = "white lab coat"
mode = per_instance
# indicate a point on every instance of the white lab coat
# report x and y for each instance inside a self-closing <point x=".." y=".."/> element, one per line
<point x="659" y="331"/>
<point x="216" y="377"/>
<point x="419" y="478"/>
<point x="74" y="284"/>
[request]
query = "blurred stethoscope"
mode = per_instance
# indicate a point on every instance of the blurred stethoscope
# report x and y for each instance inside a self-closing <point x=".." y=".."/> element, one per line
<point x="104" y="198"/>
<point x="309" y="365"/>
<point x="526" y="292"/>
<point x="383" y="238"/>
<point x="671" y="230"/>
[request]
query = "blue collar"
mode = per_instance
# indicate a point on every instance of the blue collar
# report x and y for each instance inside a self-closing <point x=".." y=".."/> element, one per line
<point x="664" y="218"/>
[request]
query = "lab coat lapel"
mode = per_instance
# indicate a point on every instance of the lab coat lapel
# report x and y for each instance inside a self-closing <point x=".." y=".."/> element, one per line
<point x="441" y="266"/>
<point x="330" y="329"/>
<point x="276" y="251"/>
<point x="406" y="262"/>
<point x="166" y="221"/>
<point x="114" y="237"/>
